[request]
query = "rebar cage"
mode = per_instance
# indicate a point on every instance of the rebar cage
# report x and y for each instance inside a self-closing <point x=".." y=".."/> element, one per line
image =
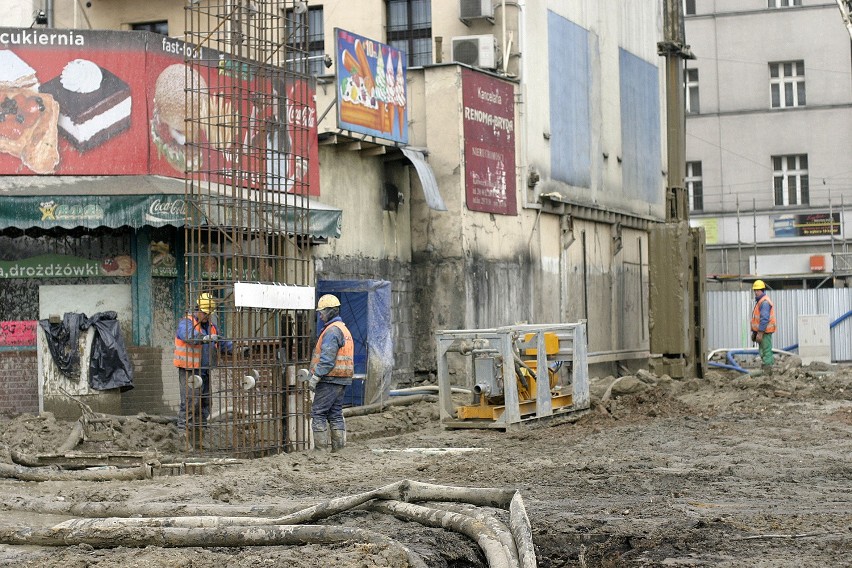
<point x="248" y="177"/>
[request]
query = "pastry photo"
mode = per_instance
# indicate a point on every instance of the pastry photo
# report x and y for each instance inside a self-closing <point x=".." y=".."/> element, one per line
<point x="94" y="103"/>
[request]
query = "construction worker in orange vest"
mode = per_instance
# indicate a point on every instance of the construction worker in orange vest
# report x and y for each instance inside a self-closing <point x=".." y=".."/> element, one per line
<point x="763" y="324"/>
<point x="331" y="369"/>
<point x="196" y="346"/>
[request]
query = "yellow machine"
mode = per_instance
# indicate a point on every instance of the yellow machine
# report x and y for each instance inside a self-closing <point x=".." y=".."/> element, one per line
<point x="504" y="365"/>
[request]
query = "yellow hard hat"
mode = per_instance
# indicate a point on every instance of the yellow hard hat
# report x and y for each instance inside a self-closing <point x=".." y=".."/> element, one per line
<point x="758" y="285"/>
<point x="206" y="303"/>
<point x="328" y="301"/>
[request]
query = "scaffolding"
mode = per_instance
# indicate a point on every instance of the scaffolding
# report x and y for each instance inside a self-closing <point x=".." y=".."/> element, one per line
<point x="248" y="178"/>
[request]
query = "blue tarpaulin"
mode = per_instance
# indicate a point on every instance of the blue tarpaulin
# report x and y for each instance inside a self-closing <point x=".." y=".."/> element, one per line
<point x="365" y="307"/>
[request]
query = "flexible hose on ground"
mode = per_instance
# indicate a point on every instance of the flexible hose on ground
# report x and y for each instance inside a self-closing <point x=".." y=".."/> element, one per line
<point x="425" y="389"/>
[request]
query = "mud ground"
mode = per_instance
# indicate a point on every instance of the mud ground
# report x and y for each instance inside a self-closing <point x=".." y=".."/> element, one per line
<point x="730" y="470"/>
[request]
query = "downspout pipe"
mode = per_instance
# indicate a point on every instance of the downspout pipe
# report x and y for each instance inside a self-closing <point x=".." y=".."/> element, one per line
<point x="48" y="8"/>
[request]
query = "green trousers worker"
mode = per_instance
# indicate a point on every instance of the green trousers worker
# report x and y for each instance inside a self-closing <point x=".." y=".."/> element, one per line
<point x="763" y="324"/>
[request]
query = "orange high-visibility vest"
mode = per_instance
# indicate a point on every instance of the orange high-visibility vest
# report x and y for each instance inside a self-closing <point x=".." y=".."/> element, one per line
<point x="188" y="355"/>
<point x="755" y="315"/>
<point x="344" y="365"/>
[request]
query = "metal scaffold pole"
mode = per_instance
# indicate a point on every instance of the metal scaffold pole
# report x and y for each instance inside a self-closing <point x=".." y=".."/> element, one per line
<point x="247" y="167"/>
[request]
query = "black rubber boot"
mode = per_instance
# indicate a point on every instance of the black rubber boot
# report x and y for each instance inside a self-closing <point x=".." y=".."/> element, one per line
<point x="321" y="440"/>
<point x="338" y="439"/>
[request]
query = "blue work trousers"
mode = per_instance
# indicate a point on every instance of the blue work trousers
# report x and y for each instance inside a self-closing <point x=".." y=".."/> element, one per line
<point x="328" y="407"/>
<point x="194" y="403"/>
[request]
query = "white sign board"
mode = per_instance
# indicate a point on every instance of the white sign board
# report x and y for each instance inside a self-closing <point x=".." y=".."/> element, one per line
<point x="274" y="297"/>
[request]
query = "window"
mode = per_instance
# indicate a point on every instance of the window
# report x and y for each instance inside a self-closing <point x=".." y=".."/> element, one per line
<point x="306" y="34"/>
<point x="689" y="7"/>
<point x="783" y="3"/>
<point x="692" y="106"/>
<point x="790" y="179"/>
<point x="695" y="186"/>
<point x="410" y="29"/>
<point x="161" y="27"/>
<point x="787" y="84"/>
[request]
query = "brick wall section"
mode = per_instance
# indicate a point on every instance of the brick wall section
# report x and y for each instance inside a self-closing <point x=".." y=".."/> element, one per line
<point x="154" y="380"/>
<point x="151" y="392"/>
<point x="19" y="382"/>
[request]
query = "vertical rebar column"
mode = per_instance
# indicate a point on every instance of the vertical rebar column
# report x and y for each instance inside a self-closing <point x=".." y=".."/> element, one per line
<point x="248" y="216"/>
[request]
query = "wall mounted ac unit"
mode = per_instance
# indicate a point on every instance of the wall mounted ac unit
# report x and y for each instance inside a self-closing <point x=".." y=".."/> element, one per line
<point x="477" y="50"/>
<point x="474" y="9"/>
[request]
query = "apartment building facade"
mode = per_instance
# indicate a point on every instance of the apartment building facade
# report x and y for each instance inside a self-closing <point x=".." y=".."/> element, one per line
<point x="769" y="121"/>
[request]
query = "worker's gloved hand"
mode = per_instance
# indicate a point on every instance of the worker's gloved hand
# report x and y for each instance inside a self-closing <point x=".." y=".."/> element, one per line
<point x="205" y="339"/>
<point x="754" y="337"/>
<point x="312" y="382"/>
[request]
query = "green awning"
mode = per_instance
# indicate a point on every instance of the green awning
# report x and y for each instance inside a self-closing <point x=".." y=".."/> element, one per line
<point x="68" y="202"/>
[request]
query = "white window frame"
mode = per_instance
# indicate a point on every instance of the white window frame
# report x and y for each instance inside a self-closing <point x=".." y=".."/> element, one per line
<point x="693" y="101"/>
<point x="694" y="180"/>
<point x="790" y="175"/>
<point x="783" y="3"/>
<point x="787" y="79"/>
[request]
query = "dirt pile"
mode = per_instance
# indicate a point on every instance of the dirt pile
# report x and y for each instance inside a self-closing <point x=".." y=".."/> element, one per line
<point x="729" y="470"/>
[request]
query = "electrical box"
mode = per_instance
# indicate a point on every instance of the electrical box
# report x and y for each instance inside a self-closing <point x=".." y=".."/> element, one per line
<point x="814" y="338"/>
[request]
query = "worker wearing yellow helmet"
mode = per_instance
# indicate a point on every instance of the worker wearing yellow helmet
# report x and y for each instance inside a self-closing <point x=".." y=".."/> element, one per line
<point x="763" y="324"/>
<point x="196" y="345"/>
<point x="331" y="370"/>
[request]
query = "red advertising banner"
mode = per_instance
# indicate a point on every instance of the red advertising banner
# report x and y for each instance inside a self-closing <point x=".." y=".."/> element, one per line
<point x="18" y="333"/>
<point x="489" y="143"/>
<point x="92" y="102"/>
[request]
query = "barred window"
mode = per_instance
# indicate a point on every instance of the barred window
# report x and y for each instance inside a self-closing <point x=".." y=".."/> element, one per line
<point x="409" y="29"/>
<point x="787" y="84"/>
<point x="790" y="179"/>
<point x="783" y="3"/>
<point x="689" y="7"/>
<point x="695" y="186"/>
<point x="308" y="25"/>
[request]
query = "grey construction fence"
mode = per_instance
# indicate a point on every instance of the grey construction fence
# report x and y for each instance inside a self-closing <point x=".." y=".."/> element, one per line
<point x="729" y="314"/>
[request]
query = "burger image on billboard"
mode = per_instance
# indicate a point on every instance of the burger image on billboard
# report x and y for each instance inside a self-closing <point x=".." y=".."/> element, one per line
<point x="171" y="132"/>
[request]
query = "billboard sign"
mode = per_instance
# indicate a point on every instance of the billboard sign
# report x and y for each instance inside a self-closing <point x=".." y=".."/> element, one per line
<point x="94" y="102"/>
<point x="371" y="87"/>
<point x="806" y="225"/>
<point x="489" y="143"/>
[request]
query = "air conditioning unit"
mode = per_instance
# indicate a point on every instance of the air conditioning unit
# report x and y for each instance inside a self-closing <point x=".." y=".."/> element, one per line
<point x="474" y="9"/>
<point x="477" y="50"/>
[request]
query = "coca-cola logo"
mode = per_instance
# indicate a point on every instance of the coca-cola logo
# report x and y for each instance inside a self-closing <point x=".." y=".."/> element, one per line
<point x="301" y="115"/>
<point x="166" y="209"/>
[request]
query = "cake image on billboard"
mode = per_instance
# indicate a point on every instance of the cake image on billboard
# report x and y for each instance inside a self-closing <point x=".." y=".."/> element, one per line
<point x="170" y="130"/>
<point x="28" y="128"/>
<point x="94" y="103"/>
<point x="28" y="118"/>
<point x="15" y="73"/>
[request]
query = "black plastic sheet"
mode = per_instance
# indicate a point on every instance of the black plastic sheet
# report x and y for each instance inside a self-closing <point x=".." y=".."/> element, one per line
<point x="109" y="365"/>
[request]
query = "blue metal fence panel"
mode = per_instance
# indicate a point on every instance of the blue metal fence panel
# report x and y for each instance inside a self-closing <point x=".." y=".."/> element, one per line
<point x="729" y="314"/>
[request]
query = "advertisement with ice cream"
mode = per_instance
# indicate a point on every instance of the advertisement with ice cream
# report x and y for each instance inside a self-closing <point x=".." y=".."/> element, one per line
<point x="371" y="87"/>
<point x="90" y="102"/>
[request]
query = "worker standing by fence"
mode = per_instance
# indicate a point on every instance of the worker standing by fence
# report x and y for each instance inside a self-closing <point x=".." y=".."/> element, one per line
<point x="331" y="371"/>
<point x="763" y="324"/>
